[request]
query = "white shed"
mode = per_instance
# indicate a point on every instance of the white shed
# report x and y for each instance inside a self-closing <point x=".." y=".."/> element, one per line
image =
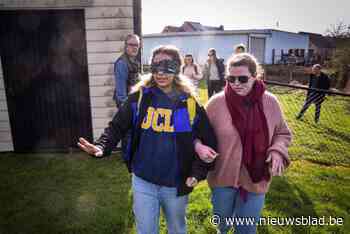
<point x="258" y="42"/>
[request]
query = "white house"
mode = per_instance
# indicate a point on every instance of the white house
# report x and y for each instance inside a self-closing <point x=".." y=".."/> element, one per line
<point x="265" y="44"/>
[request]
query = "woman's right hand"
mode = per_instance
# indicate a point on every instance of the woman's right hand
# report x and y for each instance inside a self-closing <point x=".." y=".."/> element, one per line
<point x="205" y="153"/>
<point x="89" y="148"/>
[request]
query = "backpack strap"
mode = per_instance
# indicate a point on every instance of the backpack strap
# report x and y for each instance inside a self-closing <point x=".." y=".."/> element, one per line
<point x="191" y="108"/>
<point x="139" y="101"/>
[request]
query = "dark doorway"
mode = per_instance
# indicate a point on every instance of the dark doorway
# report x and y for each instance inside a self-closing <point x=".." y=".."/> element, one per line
<point x="46" y="78"/>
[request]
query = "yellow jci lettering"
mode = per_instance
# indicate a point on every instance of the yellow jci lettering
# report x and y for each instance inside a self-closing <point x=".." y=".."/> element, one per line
<point x="154" y="117"/>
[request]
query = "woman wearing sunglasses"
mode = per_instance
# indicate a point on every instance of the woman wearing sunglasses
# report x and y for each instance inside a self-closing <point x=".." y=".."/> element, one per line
<point x="253" y="140"/>
<point x="160" y="153"/>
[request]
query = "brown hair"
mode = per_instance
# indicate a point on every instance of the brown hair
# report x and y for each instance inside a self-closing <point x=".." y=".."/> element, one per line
<point x="170" y="50"/>
<point x="192" y="63"/>
<point x="247" y="60"/>
<point x="213" y="51"/>
<point x="180" y="82"/>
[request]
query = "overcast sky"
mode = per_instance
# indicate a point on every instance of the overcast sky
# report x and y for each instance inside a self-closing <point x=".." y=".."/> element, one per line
<point x="292" y="15"/>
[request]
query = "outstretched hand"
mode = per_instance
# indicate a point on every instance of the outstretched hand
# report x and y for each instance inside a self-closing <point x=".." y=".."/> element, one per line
<point x="89" y="148"/>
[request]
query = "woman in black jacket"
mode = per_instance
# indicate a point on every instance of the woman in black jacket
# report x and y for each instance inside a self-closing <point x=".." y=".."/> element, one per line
<point x="164" y="121"/>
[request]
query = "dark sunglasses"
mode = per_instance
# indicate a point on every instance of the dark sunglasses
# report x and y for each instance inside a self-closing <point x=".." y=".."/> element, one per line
<point x="241" y="79"/>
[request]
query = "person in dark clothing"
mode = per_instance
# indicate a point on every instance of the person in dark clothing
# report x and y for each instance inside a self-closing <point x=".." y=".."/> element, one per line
<point x="318" y="80"/>
<point x="214" y="72"/>
<point x="166" y="126"/>
<point x="126" y="72"/>
<point x="126" y="69"/>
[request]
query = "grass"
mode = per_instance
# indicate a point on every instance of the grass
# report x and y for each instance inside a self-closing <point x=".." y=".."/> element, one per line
<point x="57" y="193"/>
<point x="327" y="142"/>
<point x="75" y="193"/>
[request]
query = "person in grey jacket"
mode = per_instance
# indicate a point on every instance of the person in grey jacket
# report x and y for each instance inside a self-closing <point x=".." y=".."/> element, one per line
<point x="214" y="73"/>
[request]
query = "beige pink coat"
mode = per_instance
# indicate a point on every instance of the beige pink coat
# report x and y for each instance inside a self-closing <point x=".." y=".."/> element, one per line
<point x="228" y="169"/>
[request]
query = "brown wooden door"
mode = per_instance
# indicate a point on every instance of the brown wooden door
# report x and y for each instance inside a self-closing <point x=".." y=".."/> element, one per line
<point x="46" y="78"/>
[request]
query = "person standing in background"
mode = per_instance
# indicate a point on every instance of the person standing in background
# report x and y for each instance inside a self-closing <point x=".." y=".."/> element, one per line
<point x="191" y="70"/>
<point x="240" y="48"/>
<point x="318" y="80"/>
<point x="214" y="72"/>
<point x="126" y="69"/>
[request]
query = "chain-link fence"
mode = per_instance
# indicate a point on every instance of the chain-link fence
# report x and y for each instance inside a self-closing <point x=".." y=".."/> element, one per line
<point x="326" y="141"/>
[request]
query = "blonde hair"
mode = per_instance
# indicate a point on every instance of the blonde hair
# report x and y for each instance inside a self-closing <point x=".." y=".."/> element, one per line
<point x="247" y="60"/>
<point x="180" y="82"/>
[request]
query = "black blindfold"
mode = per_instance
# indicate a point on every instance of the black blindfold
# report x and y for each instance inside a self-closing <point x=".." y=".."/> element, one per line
<point x="165" y="67"/>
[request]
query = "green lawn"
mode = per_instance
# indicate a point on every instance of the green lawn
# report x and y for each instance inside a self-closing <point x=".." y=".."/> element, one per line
<point x="75" y="193"/>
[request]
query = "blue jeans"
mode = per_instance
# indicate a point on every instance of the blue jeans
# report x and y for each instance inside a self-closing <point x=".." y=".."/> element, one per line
<point x="149" y="198"/>
<point x="228" y="203"/>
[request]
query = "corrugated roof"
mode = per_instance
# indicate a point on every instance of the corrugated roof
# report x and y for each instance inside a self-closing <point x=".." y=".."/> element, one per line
<point x="209" y="33"/>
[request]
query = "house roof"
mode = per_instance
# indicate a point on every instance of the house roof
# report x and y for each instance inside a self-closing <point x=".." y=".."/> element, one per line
<point x="170" y="28"/>
<point x="194" y="27"/>
<point x="199" y="27"/>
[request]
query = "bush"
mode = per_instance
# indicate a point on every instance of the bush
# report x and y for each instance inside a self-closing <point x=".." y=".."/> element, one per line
<point x="341" y="64"/>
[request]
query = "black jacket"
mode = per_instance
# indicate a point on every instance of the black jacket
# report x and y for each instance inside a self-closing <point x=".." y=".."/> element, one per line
<point x="321" y="82"/>
<point x="221" y="68"/>
<point x="130" y="117"/>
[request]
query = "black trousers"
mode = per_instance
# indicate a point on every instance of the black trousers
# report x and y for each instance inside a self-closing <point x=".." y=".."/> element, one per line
<point x="214" y="86"/>
<point x="312" y="98"/>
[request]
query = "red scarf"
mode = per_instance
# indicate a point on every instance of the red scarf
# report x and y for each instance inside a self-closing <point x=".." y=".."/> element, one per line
<point x="250" y="121"/>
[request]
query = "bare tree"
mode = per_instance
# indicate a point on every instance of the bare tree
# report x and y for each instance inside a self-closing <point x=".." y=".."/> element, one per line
<point x="338" y="30"/>
<point x="340" y="62"/>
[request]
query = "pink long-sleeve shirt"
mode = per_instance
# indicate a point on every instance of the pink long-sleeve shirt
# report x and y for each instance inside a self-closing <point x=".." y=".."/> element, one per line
<point x="190" y="72"/>
<point x="228" y="169"/>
